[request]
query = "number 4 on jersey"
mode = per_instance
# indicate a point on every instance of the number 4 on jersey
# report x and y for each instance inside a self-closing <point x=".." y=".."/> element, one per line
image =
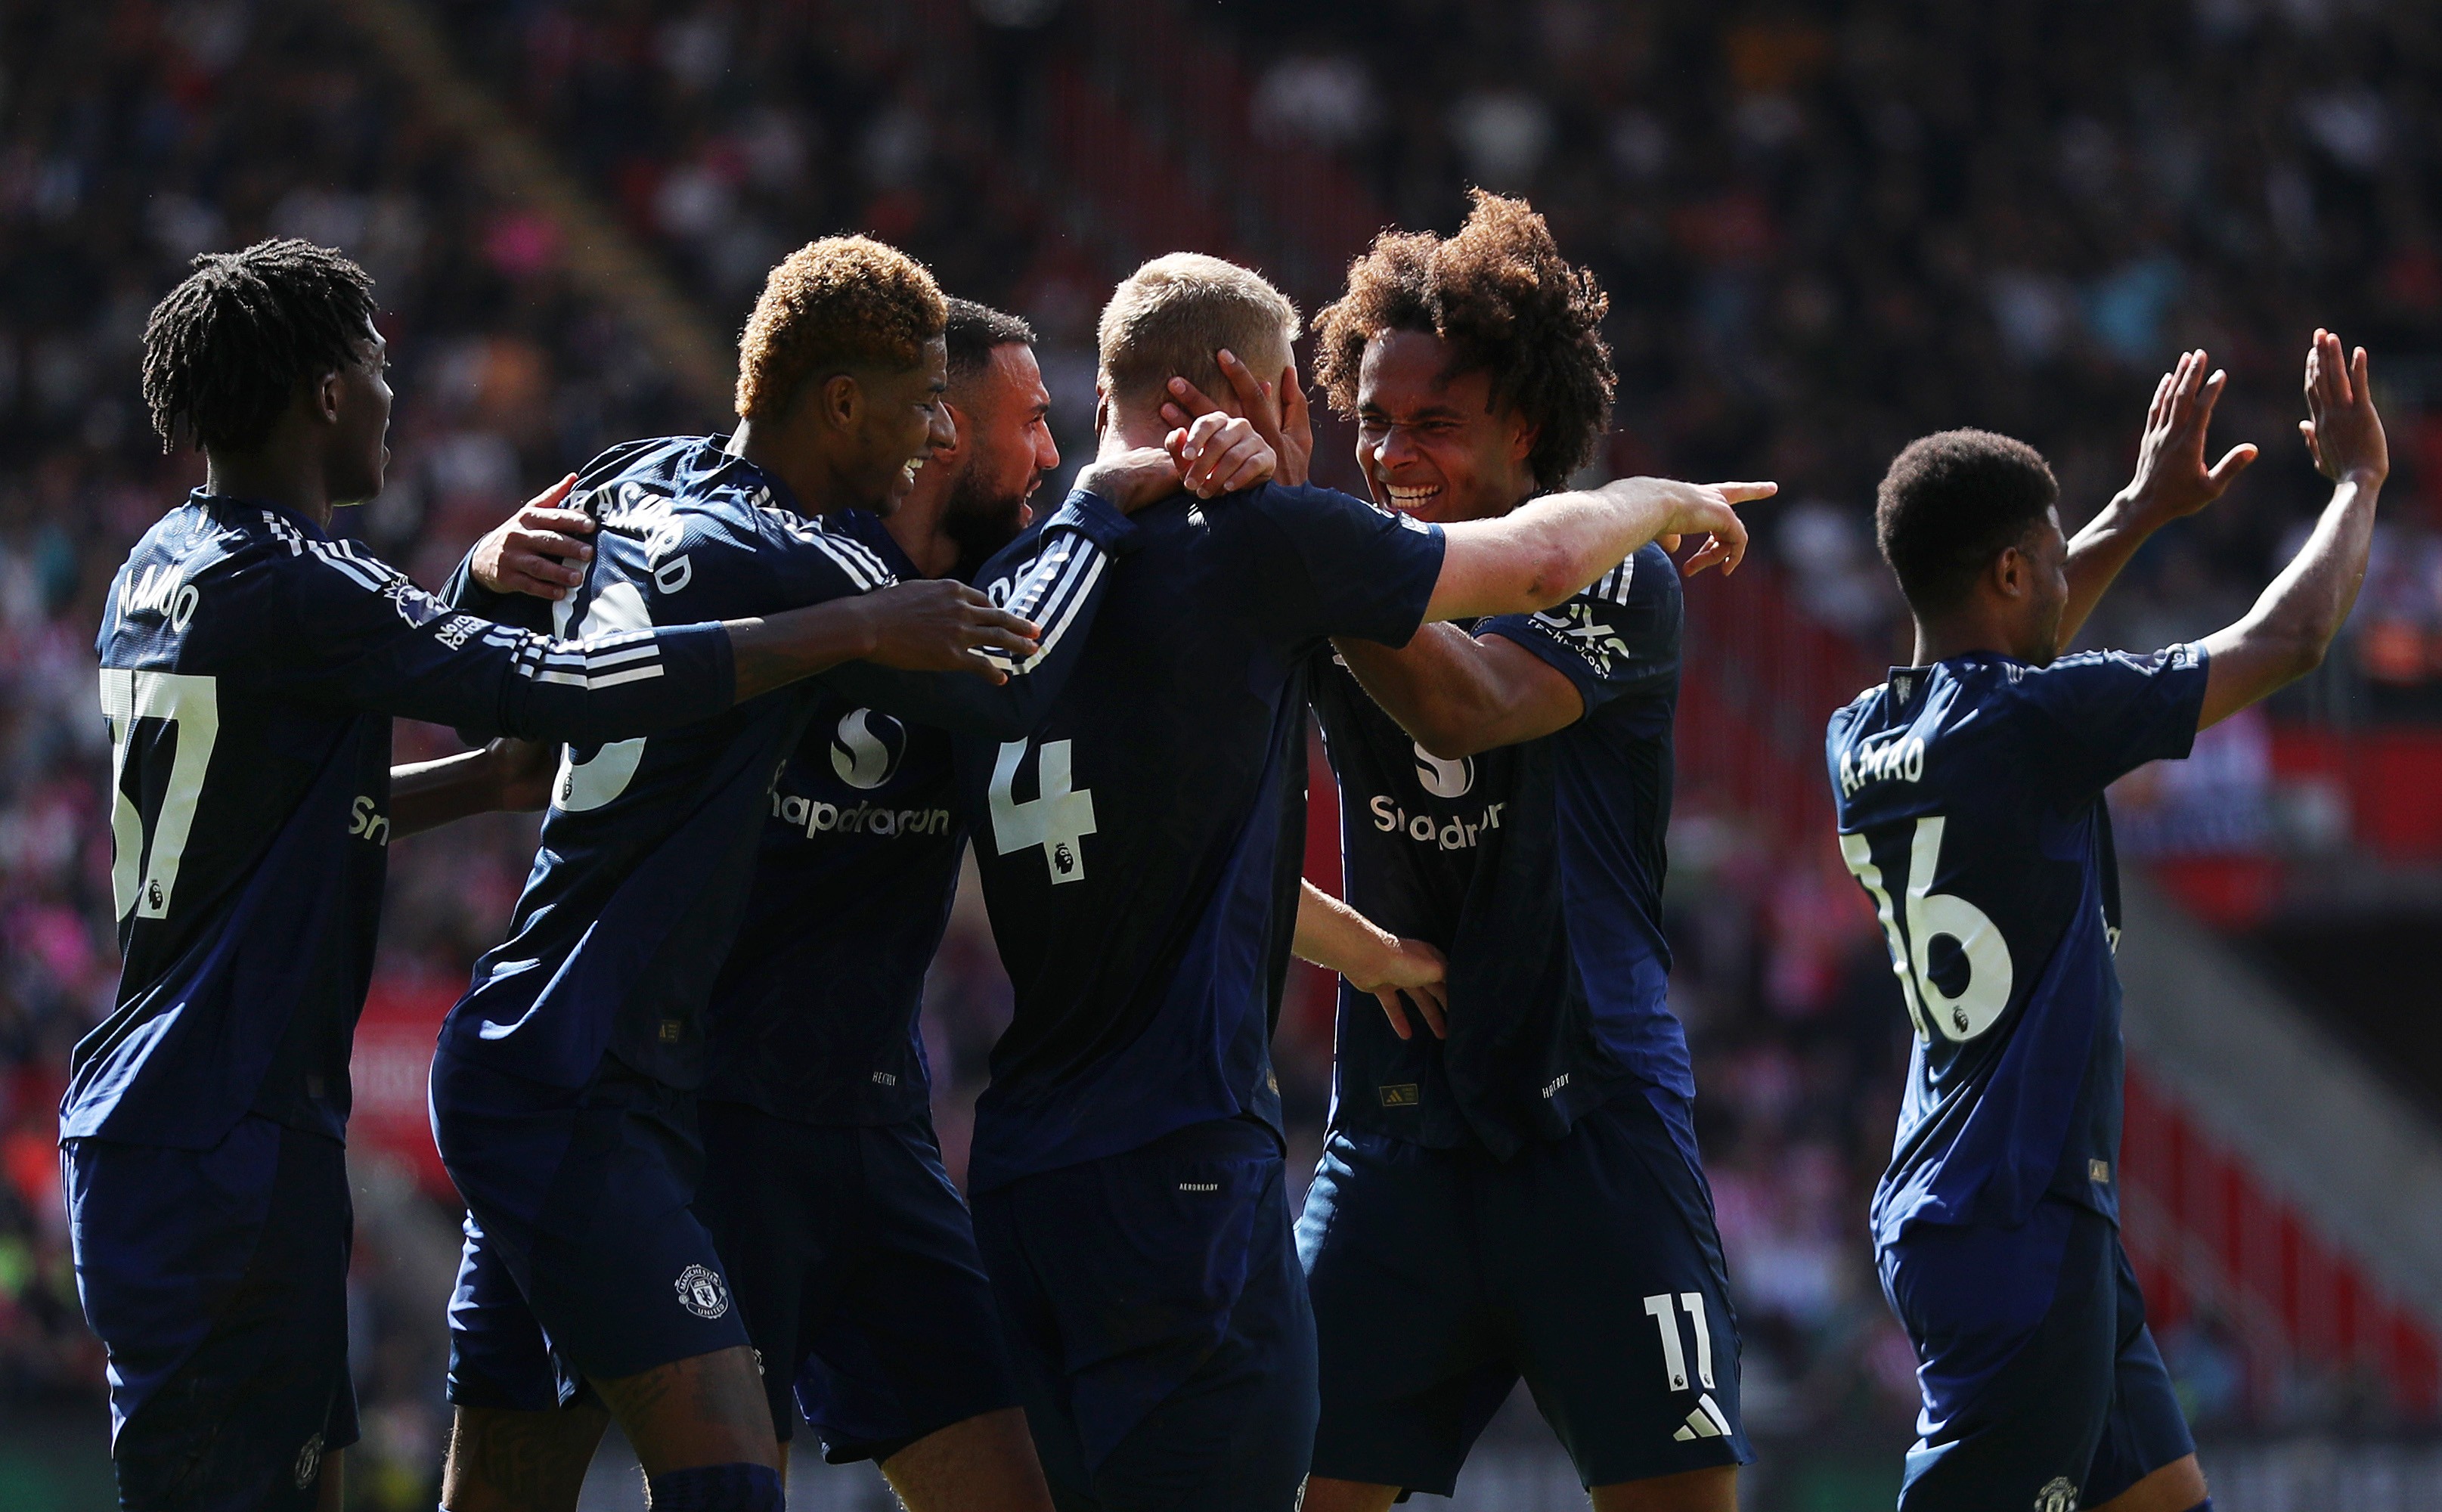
<point x="1057" y="817"/>
<point x="1970" y="1011"/>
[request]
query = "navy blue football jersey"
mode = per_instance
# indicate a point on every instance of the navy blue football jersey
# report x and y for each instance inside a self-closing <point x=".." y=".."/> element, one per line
<point x="1970" y="802"/>
<point x="649" y="846"/>
<point x="815" y="1016"/>
<point x="1536" y="868"/>
<point x="1140" y="852"/>
<point x="250" y="667"/>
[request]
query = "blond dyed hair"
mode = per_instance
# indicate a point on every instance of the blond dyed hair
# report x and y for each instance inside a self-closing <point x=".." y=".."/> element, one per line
<point x="1169" y="318"/>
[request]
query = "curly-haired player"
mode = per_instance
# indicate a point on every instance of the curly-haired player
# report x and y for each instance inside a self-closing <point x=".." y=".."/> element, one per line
<point x="1514" y="1192"/>
<point x="564" y="1091"/>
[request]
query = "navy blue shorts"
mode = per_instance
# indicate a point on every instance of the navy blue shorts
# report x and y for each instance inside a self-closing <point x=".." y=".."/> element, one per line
<point x="2039" y="1378"/>
<point x="582" y="1258"/>
<point x="853" y="1260"/>
<point x="218" y="1281"/>
<point x="1589" y="1264"/>
<point x="1164" y="1347"/>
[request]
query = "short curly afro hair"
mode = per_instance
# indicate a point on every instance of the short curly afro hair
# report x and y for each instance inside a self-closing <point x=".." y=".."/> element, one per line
<point x="843" y="301"/>
<point x="1953" y="502"/>
<point x="1508" y="304"/>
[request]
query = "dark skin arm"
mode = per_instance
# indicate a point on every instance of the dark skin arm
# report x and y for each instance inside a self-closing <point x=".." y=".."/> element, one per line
<point x="2171" y="482"/>
<point x="2284" y="636"/>
<point x="512" y="774"/>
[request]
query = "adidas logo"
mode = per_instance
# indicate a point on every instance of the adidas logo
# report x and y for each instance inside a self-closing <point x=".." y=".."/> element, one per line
<point x="1705" y="1422"/>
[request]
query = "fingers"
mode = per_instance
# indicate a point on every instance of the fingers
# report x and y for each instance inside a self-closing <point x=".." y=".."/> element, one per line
<point x="2206" y="397"/>
<point x="974" y="662"/>
<point x="2360" y="376"/>
<point x="1745" y="493"/>
<point x="1433" y="1006"/>
<point x="1251" y="390"/>
<point x="544" y="520"/>
<point x="2223" y="473"/>
<point x="2307" y="430"/>
<point x="551" y="496"/>
<point x="1389" y="998"/>
<point x="1189" y="400"/>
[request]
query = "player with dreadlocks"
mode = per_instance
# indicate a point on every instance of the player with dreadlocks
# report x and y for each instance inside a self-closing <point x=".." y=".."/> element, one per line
<point x="1515" y="1192"/>
<point x="251" y="663"/>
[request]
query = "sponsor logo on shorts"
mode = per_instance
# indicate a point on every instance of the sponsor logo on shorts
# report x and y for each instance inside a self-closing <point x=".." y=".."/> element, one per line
<point x="1401" y="1095"/>
<point x="309" y="1462"/>
<point x="702" y="1292"/>
<point x="2058" y="1495"/>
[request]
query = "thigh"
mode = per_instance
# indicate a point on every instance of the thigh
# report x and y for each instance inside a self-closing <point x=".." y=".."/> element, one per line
<point x="498" y="1359"/>
<point x="1237" y="1434"/>
<point x="244" y="1419"/>
<point x="770" y="1191"/>
<point x="2016" y="1334"/>
<point x="909" y="1340"/>
<point x="1610" y="1266"/>
<point x="1032" y="1328"/>
<point x="583" y="1195"/>
<point x="2145" y="1430"/>
<point x="1411" y="1361"/>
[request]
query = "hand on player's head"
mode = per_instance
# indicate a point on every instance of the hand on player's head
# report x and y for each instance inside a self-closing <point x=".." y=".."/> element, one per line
<point x="537" y="551"/>
<point x="1278" y="412"/>
<point x="2342" y="430"/>
<point x="1220" y="454"/>
<point x="939" y="624"/>
<point x="1709" y="510"/>
<point x="2172" y="477"/>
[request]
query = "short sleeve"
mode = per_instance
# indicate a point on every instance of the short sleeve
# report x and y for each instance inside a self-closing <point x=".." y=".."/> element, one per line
<point x="1343" y="566"/>
<point x="2104" y="714"/>
<point x="1617" y="638"/>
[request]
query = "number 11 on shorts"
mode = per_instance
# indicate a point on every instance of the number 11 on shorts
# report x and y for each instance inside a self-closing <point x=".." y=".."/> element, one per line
<point x="1674" y="1357"/>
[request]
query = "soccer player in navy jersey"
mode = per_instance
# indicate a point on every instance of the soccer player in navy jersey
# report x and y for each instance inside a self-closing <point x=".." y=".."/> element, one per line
<point x="1139" y="858"/>
<point x="850" y="1253"/>
<point x="564" y="1088"/>
<point x="251" y="663"/>
<point x="1509" y="1188"/>
<point x="1969" y="790"/>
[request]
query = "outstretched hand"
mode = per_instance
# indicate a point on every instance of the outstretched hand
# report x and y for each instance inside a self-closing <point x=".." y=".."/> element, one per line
<point x="2342" y="428"/>
<point x="538" y="550"/>
<point x="1220" y="454"/>
<point x="1278" y="412"/>
<point x="1416" y="972"/>
<point x="2172" y="479"/>
<point x="942" y="626"/>
<point x="1708" y="510"/>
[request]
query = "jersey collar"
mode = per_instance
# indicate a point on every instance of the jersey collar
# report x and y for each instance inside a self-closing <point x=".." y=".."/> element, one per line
<point x="209" y="502"/>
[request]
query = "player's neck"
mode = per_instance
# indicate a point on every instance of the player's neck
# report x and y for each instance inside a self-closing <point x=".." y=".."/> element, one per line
<point x="916" y="525"/>
<point x="1129" y="427"/>
<point x="813" y="485"/>
<point x="271" y="474"/>
<point x="1964" y="636"/>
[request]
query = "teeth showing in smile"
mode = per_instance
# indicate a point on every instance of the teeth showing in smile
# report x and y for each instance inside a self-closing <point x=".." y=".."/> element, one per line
<point x="908" y="471"/>
<point x="1410" y="498"/>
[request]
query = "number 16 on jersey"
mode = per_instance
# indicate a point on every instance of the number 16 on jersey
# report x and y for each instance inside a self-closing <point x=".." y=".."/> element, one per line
<point x="1977" y="951"/>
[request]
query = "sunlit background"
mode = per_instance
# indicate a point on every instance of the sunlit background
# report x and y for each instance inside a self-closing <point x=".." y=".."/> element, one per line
<point x="1825" y="230"/>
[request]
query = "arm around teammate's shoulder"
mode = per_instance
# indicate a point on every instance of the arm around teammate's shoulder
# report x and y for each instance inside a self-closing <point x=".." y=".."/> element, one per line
<point x="1548" y="548"/>
<point x="2284" y="636"/>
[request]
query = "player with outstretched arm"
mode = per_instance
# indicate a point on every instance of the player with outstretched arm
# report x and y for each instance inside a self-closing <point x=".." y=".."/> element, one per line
<point x="251" y="663"/>
<point x="1969" y="795"/>
<point x="1139" y="856"/>
<point x="564" y="1087"/>
<point x="1510" y="1187"/>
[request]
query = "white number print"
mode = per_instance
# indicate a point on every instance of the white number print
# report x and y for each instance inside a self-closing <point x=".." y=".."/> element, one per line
<point x="143" y="877"/>
<point x="1957" y="1017"/>
<point x="1705" y="1419"/>
<point x="1058" y="818"/>
<point x="605" y="775"/>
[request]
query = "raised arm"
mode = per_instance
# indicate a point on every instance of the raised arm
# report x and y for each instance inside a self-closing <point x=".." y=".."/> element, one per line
<point x="1337" y="938"/>
<point x="1546" y="549"/>
<point x="1458" y="694"/>
<point x="2284" y="636"/>
<point x="2172" y="481"/>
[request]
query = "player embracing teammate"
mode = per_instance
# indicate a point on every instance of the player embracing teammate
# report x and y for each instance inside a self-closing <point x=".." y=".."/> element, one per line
<point x="1969" y="794"/>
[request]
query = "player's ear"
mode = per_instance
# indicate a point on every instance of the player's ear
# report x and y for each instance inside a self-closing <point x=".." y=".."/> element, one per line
<point x="1522" y="436"/>
<point x="839" y="402"/>
<point x="329" y="395"/>
<point x="1102" y="409"/>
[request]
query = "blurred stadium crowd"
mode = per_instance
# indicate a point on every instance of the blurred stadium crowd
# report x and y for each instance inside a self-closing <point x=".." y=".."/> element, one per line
<point x="1821" y="237"/>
